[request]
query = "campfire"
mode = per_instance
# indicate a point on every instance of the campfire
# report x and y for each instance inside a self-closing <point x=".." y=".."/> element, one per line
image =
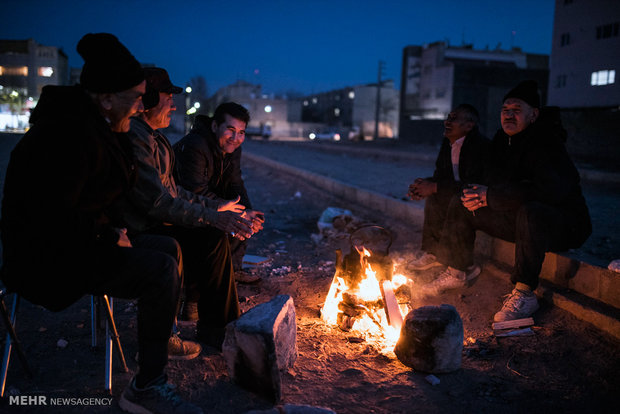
<point x="366" y="297"/>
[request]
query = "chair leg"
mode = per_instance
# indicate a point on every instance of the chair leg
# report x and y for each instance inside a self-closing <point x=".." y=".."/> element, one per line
<point x="11" y="339"/>
<point x="114" y="333"/>
<point x="111" y="335"/>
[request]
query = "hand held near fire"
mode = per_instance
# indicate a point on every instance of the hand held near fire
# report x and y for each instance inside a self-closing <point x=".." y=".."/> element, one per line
<point x="474" y="197"/>
<point x="231" y="205"/>
<point x="123" y="239"/>
<point x="421" y="189"/>
<point x="234" y="223"/>
<point x="256" y="217"/>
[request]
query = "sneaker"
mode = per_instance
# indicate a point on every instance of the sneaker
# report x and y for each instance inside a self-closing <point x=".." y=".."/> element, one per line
<point x="179" y="349"/>
<point x="157" y="397"/>
<point x="518" y="305"/>
<point x="190" y="311"/>
<point x="426" y="261"/>
<point x="242" y="276"/>
<point x="451" y="278"/>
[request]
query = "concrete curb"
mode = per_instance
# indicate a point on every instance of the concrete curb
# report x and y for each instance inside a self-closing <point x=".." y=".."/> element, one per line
<point x="424" y="155"/>
<point x="593" y="292"/>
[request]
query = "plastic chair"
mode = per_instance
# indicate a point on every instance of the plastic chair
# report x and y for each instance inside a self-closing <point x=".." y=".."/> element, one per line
<point x="111" y="337"/>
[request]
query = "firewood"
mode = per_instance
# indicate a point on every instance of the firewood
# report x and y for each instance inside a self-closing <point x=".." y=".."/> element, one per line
<point x="517" y="323"/>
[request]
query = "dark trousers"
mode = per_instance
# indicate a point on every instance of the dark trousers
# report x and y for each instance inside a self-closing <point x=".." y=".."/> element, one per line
<point x="209" y="277"/>
<point x="148" y="271"/>
<point x="237" y="251"/>
<point x="535" y="228"/>
<point x="435" y="212"/>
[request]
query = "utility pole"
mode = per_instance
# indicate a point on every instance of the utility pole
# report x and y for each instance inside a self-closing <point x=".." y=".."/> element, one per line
<point x="378" y="103"/>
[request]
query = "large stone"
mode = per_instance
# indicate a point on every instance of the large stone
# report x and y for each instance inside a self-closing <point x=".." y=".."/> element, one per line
<point x="431" y="339"/>
<point x="261" y="344"/>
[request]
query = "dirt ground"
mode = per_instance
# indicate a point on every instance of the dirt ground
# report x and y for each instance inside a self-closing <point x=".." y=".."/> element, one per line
<point x="566" y="366"/>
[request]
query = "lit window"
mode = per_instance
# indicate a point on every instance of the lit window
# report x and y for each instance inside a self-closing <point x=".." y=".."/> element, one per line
<point x="337" y="111"/>
<point x="13" y="70"/>
<point x="351" y="95"/>
<point x="306" y="103"/>
<point x="314" y="100"/>
<point x="46" y="71"/>
<point x="268" y="108"/>
<point x="603" y="77"/>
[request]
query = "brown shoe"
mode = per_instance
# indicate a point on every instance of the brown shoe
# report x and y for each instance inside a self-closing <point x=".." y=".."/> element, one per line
<point x="242" y="276"/>
<point x="180" y="349"/>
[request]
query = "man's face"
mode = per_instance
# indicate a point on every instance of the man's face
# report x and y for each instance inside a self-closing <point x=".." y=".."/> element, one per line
<point x="230" y="133"/>
<point x="456" y="126"/>
<point x="124" y="105"/>
<point x="517" y="115"/>
<point x="159" y="116"/>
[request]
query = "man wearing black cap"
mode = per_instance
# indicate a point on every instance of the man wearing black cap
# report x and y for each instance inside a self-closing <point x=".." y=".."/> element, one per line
<point x="532" y="197"/>
<point x="61" y="237"/>
<point x="157" y="204"/>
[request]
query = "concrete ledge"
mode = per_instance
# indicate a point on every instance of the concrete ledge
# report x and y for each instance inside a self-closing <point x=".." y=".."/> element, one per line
<point x="596" y="284"/>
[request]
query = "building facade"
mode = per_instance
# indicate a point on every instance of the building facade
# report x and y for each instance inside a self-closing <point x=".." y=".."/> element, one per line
<point x="352" y="111"/>
<point x="585" y="54"/>
<point x="25" y="68"/>
<point x="437" y="77"/>
<point x="266" y="110"/>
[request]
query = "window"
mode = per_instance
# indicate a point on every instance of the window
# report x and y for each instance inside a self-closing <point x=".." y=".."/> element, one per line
<point x="603" y="77"/>
<point x="46" y="71"/>
<point x="565" y="39"/>
<point x="607" y="30"/>
<point x="13" y="70"/>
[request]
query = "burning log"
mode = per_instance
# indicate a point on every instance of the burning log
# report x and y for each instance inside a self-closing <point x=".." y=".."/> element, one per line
<point x="364" y="294"/>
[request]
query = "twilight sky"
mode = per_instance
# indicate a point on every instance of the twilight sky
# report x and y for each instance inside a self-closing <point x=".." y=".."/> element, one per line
<point x="300" y="45"/>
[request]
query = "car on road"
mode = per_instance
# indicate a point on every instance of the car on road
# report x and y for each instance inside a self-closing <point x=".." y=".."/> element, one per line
<point x="263" y="131"/>
<point x="329" y="135"/>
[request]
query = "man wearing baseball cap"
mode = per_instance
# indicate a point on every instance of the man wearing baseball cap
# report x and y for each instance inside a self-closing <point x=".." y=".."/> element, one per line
<point x="158" y="205"/>
<point x="61" y="236"/>
<point x="531" y="196"/>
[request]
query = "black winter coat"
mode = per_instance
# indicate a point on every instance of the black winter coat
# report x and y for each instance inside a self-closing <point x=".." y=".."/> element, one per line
<point x="533" y="165"/>
<point x="62" y="176"/>
<point x="202" y="168"/>
<point x="472" y="162"/>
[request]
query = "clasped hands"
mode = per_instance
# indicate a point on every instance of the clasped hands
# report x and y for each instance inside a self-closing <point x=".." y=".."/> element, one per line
<point x="474" y="196"/>
<point x="421" y="188"/>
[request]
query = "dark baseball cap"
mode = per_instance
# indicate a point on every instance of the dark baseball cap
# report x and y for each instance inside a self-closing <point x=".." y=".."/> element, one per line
<point x="157" y="80"/>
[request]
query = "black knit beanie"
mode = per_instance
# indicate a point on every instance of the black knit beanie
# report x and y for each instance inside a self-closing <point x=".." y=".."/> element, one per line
<point x="108" y="65"/>
<point x="527" y="91"/>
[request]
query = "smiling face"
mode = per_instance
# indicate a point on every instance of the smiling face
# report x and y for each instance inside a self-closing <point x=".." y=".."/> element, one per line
<point x="517" y="115"/>
<point x="121" y="106"/>
<point x="230" y="134"/>
<point x="159" y="116"/>
<point x="456" y="126"/>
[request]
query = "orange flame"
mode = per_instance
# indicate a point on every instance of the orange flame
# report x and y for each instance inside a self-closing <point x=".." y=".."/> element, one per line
<point x="372" y="325"/>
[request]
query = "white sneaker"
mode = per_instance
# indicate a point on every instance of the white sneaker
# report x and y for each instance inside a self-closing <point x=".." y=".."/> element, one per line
<point x="518" y="305"/>
<point x="426" y="261"/>
<point x="451" y="278"/>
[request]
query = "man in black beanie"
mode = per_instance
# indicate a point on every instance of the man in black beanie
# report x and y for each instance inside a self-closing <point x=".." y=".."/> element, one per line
<point x="531" y="196"/>
<point x="61" y="237"/>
